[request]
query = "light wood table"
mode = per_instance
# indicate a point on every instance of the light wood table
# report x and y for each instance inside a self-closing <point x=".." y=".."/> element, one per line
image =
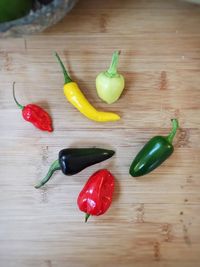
<point x="154" y="220"/>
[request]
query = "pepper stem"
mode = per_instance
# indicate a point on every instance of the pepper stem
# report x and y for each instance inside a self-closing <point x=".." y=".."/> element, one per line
<point x="87" y="215"/>
<point x="172" y="134"/>
<point x="54" y="167"/>
<point x="112" y="71"/>
<point x="14" y="97"/>
<point x="67" y="79"/>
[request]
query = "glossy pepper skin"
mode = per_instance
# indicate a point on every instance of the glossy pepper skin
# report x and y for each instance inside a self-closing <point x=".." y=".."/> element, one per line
<point x="79" y="101"/>
<point x="96" y="196"/>
<point x="73" y="160"/>
<point x="35" y="114"/>
<point x="154" y="153"/>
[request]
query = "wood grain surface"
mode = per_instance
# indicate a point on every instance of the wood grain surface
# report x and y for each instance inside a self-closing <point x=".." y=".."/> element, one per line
<point x="154" y="220"/>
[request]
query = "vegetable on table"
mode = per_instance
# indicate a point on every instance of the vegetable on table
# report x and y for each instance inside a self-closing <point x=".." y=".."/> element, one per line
<point x="35" y="114"/>
<point x="110" y="83"/>
<point x="96" y="196"/>
<point x="73" y="160"/>
<point x="78" y="100"/>
<point x="156" y="150"/>
<point x="14" y="9"/>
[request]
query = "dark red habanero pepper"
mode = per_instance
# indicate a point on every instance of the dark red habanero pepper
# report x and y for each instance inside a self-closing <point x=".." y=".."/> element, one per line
<point x="96" y="196"/>
<point x="35" y="114"/>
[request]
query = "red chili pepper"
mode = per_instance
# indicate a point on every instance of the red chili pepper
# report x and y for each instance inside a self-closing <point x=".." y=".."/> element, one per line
<point x="35" y="114"/>
<point x="96" y="196"/>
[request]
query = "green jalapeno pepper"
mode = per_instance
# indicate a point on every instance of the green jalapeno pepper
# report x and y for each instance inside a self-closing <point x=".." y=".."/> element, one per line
<point x="152" y="155"/>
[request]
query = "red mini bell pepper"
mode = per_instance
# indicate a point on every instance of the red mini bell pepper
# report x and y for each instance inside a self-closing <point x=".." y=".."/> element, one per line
<point x="35" y="114"/>
<point x="96" y="196"/>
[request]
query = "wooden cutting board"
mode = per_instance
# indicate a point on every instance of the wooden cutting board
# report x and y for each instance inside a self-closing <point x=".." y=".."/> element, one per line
<point x="154" y="220"/>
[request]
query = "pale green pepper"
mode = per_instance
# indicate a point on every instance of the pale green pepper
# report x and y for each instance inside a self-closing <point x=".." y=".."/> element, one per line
<point x="110" y="83"/>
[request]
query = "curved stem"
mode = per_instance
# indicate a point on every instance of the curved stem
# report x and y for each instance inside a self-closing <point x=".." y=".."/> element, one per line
<point x="175" y="126"/>
<point x="54" y="167"/>
<point x="18" y="104"/>
<point x="67" y="79"/>
<point x="86" y="217"/>
<point x="112" y="71"/>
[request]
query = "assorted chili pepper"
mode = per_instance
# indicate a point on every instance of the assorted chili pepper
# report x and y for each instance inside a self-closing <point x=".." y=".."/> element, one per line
<point x="78" y="100"/>
<point x="73" y="160"/>
<point x="35" y="114"/>
<point x="96" y="196"/>
<point x="154" y="153"/>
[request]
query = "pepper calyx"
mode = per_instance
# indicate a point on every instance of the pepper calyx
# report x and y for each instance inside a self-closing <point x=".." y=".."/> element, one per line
<point x="54" y="167"/>
<point x="14" y="97"/>
<point x="175" y="126"/>
<point x="112" y="71"/>
<point x="67" y="79"/>
<point x="87" y="215"/>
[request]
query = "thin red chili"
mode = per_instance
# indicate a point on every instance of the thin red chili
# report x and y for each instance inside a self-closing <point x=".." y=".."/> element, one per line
<point x="35" y="114"/>
<point x="96" y="196"/>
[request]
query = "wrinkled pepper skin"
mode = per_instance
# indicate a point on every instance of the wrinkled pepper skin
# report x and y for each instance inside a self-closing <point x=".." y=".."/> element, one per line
<point x="96" y="196"/>
<point x="38" y="117"/>
<point x="154" y="153"/>
<point x="79" y="101"/>
<point x="35" y="115"/>
<point x="73" y="160"/>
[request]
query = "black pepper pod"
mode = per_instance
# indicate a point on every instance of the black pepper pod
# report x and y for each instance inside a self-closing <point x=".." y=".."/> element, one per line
<point x="73" y="160"/>
<point x="154" y="153"/>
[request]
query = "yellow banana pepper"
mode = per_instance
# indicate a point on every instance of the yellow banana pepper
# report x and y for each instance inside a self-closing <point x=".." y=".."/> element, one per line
<point x="79" y="101"/>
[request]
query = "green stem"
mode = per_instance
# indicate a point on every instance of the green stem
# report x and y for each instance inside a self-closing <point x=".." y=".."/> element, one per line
<point x="54" y="167"/>
<point x="175" y="127"/>
<point x="67" y="79"/>
<point x="86" y="217"/>
<point x="18" y="104"/>
<point x="112" y="71"/>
